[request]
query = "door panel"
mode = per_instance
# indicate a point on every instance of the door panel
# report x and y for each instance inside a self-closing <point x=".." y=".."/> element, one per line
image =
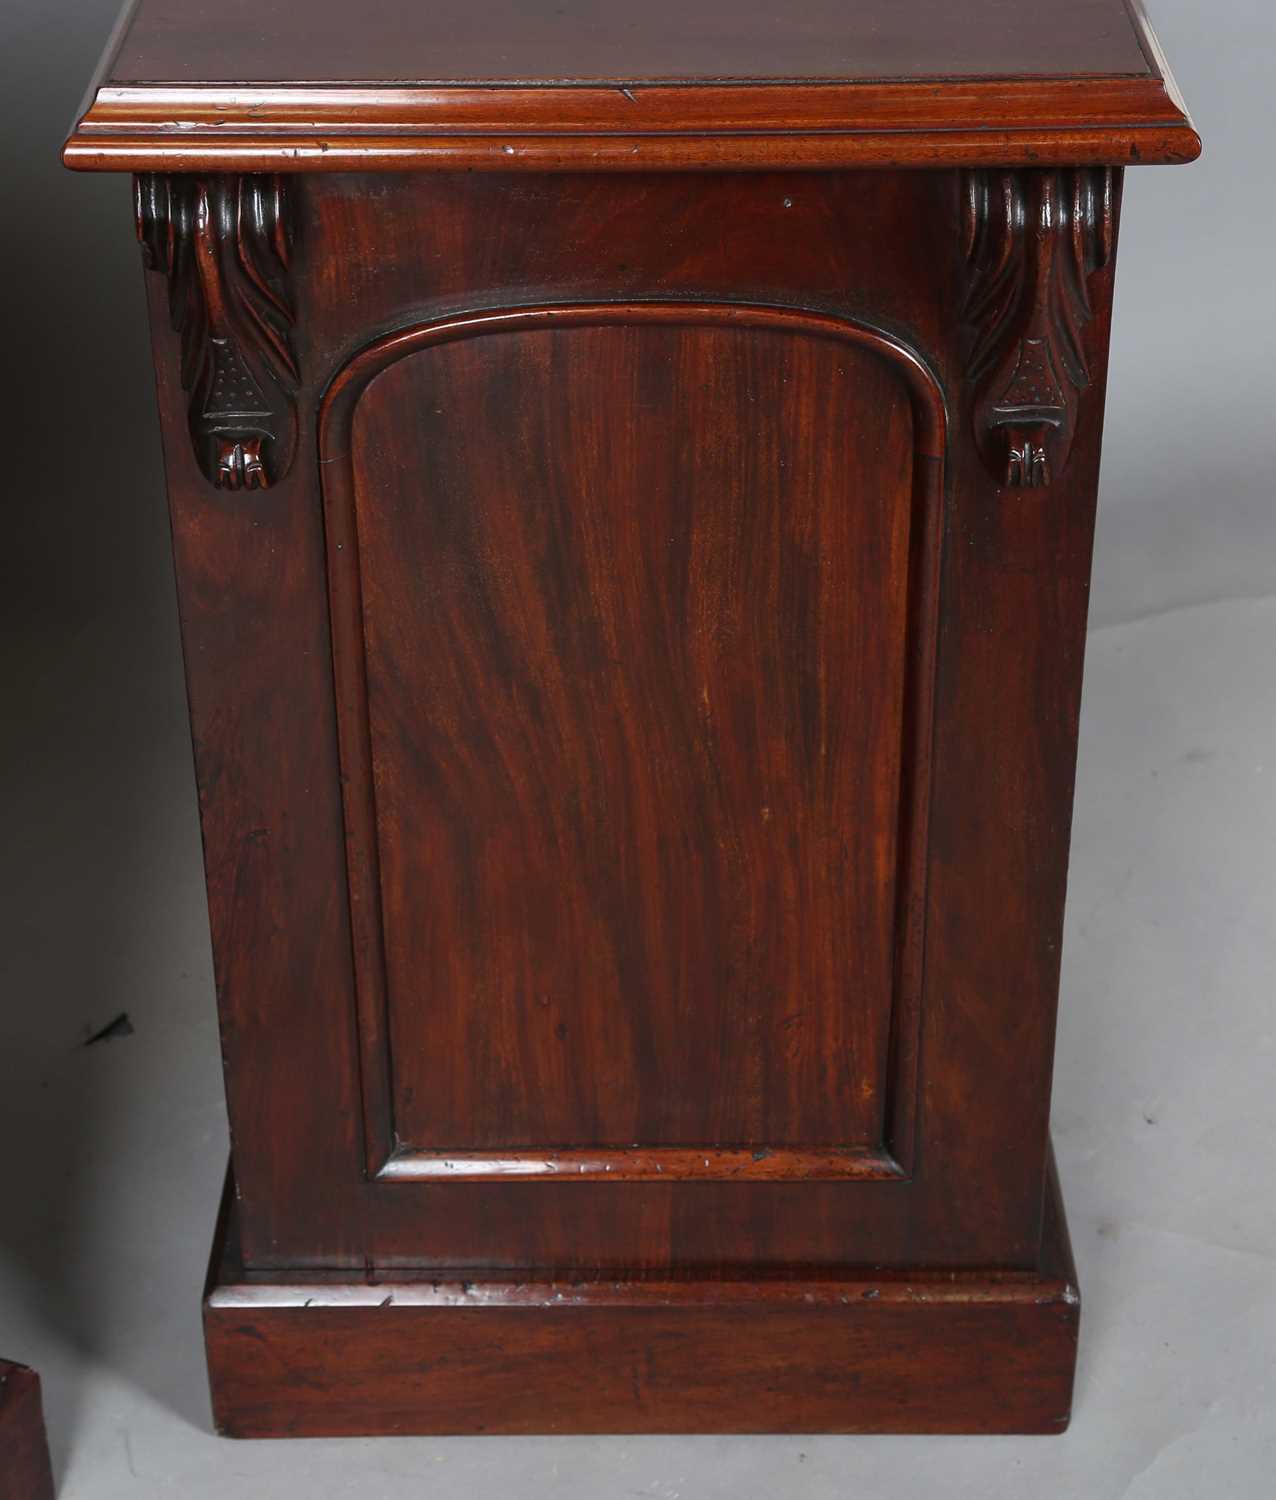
<point x="624" y="613"/>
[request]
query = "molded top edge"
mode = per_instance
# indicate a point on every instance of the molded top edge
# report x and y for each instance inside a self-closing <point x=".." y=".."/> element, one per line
<point x="691" y="84"/>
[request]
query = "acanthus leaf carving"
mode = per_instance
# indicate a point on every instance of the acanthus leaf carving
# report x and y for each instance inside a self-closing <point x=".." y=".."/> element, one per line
<point x="1033" y="239"/>
<point x="223" y="243"/>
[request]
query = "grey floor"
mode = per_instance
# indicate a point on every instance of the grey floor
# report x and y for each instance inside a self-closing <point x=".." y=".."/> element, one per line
<point x="1165" y="1094"/>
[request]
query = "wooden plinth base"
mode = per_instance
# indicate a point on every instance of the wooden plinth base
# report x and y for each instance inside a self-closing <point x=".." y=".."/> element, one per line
<point x="331" y="1354"/>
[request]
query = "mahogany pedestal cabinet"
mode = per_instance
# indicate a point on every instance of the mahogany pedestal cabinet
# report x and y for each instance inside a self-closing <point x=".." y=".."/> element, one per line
<point x="633" y="473"/>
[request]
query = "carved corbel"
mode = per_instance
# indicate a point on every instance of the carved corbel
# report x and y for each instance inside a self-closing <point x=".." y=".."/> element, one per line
<point x="222" y="242"/>
<point x="1033" y="239"/>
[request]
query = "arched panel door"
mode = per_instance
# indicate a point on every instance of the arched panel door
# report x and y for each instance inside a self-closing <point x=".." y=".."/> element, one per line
<point x="633" y="613"/>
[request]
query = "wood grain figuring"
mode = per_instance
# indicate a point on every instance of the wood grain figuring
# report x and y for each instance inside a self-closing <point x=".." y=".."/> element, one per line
<point x="375" y="254"/>
<point x="975" y="1352"/>
<point x="639" y="801"/>
<point x="25" y="1472"/>
<point x="501" y="86"/>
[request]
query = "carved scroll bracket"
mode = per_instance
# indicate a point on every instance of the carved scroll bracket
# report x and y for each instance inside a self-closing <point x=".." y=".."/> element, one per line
<point x="222" y="241"/>
<point x="1033" y="239"/>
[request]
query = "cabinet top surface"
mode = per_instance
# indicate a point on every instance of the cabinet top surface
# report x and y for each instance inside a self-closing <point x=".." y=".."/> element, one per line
<point x="556" y="41"/>
<point x="259" y="74"/>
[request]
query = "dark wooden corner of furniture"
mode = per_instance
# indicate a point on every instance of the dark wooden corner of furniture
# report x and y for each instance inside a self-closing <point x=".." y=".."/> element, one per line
<point x="25" y="1473"/>
<point x="390" y="1155"/>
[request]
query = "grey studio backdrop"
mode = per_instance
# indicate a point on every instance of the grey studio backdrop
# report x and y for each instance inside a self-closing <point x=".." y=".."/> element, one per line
<point x="111" y="1154"/>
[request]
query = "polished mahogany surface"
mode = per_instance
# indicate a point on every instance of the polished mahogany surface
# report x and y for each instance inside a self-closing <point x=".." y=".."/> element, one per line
<point x="603" y="85"/>
<point x="536" y="41"/>
<point x="636" y="730"/>
<point x="633" y="593"/>
<point x="473" y="519"/>
<point x="332" y="1355"/>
